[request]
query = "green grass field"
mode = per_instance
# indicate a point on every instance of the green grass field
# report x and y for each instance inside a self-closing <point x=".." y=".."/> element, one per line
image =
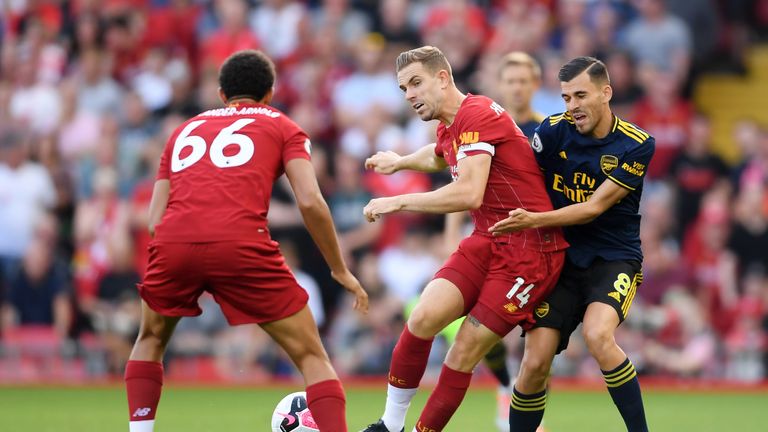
<point x="187" y="409"/>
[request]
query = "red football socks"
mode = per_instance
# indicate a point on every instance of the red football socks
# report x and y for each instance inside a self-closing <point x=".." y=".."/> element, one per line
<point x="143" y="382"/>
<point x="445" y="400"/>
<point x="409" y="360"/>
<point x="327" y="403"/>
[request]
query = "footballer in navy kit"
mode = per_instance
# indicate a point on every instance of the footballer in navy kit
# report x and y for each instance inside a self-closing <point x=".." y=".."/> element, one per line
<point x="594" y="164"/>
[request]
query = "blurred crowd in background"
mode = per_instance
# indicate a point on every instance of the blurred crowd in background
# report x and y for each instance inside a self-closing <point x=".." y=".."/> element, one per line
<point x="90" y="90"/>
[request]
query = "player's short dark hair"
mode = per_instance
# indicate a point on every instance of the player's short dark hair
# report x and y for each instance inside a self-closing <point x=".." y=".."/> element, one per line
<point x="247" y="73"/>
<point x="431" y="57"/>
<point x="596" y="70"/>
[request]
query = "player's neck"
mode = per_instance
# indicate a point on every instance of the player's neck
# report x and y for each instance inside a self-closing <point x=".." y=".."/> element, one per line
<point x="242" y="101"/>
<point x="451" y="106"/>
<point x="604" y="127"/>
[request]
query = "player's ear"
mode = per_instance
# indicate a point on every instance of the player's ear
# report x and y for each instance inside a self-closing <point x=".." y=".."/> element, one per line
<point x="444" y="77"/>
<point x="607" y="93"/>
<point x="222" y="96"/>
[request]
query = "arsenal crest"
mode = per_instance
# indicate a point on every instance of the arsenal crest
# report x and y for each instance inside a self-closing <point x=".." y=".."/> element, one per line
<point x="608" y="163"/>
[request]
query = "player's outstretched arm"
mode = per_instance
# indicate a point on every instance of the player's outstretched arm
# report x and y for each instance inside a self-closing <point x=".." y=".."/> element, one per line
<point x="423" y="159"/>
<point x="159" y="202"/>
<point x="608" y="194"/>
<point x="466" y="193"/>
<point x="317" y="219"/>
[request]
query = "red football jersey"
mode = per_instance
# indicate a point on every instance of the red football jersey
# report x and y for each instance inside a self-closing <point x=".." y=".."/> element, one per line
<point x="515" y="180"/>
<point x="221" y="165"/>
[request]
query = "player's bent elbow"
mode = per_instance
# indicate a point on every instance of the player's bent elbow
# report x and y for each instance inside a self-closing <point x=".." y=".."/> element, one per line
<point x="310" y="202"/>
<point x="474" y="201"/>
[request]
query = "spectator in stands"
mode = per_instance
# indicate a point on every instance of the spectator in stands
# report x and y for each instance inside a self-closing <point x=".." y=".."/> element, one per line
<point x="356" y="236"/>
<point x="695" y="171"/>
<point x="659" y="38"/>
<point x="26" y="194"/>
<point x="39" y="291"/>
<point x="749" y="232"/>
<point x="664" y="114"/>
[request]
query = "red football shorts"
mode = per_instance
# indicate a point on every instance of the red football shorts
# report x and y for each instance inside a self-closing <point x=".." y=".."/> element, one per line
<point x="518" y="280"/>
<point x="468" y="266"/>
<point x="501" y="284"/>
<point x="249" y="280"/>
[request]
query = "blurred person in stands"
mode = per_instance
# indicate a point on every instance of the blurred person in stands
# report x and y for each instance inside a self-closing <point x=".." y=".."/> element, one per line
<point x="695" y="171"/>
<point x="626" y="91"/>
<point x="346" y="203"/>
<point x="749" y="229"/>
<point x="684" y="344"/>
<point x="98" y="220"/>
<point x="231" y="34"/>
<point x="282" y="26"/>
<point x="746" y="135"/>
<point x="26" y="194"/>
<point x="209" y="226"/>
<point x="746" y="342"/>
<point x="116" y="312"/>
<point x="712" y="267"/>
<point x="659" y="38"/>
<point x="663" y="113"/>
<point x="370" y="90"/>
<point x="39" y="290"/>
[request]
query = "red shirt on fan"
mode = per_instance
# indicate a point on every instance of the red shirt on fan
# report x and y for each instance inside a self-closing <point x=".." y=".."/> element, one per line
<point x="221" y="165"/>
<point x="515" y="180"/>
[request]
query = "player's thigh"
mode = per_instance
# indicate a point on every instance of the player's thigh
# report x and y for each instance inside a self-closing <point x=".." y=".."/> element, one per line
<point x="615" y="284"/>
<point x="472" y="342"/>
<point x="251" y="282"/>
<point x="467" y="268"/>
<point x="563" y="308"/>
<point x="297" y="334"/>
<point x="439" y="305"/>
<point x="174" y="279"/>
<point x="518" y="281"/>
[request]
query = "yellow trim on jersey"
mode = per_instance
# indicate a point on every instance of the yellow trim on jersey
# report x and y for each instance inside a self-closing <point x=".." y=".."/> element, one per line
<point x="636" y="281"/>
<point x="621" y="184"/>
<point x="631" y="134"/>
<point x="634" y="128"/>
<point x="564" y="116"/>
<point x="615" y="123"/>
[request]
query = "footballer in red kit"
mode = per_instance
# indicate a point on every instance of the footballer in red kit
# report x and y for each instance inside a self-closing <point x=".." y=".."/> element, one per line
<point x="208" y="219"/>
<point x="497" y="282"/>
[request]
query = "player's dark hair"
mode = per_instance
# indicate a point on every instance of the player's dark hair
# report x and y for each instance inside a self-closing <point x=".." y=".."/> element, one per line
<point x="247" y="73"/>
<point x="596" y="70"/>
<point x="431" y="57"/>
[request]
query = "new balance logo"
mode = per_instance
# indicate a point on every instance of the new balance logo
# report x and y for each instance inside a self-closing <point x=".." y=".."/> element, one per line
<point x="142" y="412"/>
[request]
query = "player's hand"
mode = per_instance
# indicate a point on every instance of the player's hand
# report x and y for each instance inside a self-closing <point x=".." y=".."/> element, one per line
<point x="519" y="219"/>
<point x="351" y="284"/>
<point x="383" y="162"/>
<point x="380" y="206"/>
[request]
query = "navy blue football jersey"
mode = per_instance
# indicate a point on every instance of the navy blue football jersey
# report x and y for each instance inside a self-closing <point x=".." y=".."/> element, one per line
<point x="575" y="165"/>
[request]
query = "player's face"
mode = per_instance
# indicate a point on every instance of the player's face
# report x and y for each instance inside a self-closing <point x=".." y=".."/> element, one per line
<point x="423" y="90"/>
<point x="587" y="102"/>
<point x="517" y="85"/>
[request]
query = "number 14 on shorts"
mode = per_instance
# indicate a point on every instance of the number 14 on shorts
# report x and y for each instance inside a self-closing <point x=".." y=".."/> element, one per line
<point x="522" y="296"/>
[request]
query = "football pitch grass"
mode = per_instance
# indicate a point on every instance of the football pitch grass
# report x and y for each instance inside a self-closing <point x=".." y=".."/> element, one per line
<point x="240" y="409"/>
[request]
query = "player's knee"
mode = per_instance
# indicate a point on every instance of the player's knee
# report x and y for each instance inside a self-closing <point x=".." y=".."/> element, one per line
<point x="424" y="323"/>
<point x="598" y="339"/>
<point x="534" y="369"/>
<point x="463" y="357"/>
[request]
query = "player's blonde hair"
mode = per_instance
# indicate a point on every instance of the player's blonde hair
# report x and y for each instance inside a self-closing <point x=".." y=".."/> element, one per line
<point x="519" y="58"/>
<point x="431" y="57"/>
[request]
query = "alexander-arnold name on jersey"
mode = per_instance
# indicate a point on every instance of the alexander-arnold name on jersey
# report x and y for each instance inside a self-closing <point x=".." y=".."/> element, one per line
<point x="246" y="110"/>
<point x="579" y="190"/>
